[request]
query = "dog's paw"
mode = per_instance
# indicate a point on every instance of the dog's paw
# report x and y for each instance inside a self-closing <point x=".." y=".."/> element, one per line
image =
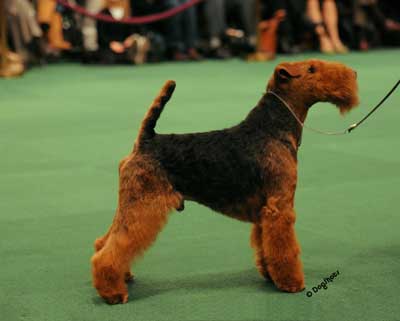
<point x="292" y="289"/>
<point x="287" y="277"/>
<point x="116" y="298"/>
<point x="291" y="286"/>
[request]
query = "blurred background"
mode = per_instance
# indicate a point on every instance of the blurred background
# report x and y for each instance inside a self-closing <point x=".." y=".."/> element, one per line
<point x="35" y="33"/>
<point x="90" y="70"/>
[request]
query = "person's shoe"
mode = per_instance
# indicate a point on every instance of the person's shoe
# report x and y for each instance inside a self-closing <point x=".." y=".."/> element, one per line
<point x="142" y="50"/>
<point x="10" y="70"/>
<point x="287" y="46"/>
<point x="260" y="56"/>
<point x="55" y="34"/>
<point x="193" y="54"/>
<point x="340" y="48"/>
<point x="90" y="57"/>
<point x="363" y="45"/>
<point x="325" y="43"/>
<point x="14" y="57"/>
<point x="220" y="53"/>
<point x="179" y="56"/>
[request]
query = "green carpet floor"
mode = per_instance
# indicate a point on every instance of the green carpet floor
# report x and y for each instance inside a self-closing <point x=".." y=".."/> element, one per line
<point x="63" y="129"/>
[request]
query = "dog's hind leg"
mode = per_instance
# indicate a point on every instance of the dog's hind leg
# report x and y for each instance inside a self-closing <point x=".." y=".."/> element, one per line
<point x="99" y="244"/>
<point x="132" y="233"/>
<point x="101" y="241"/>
<point x="145" y="199"/>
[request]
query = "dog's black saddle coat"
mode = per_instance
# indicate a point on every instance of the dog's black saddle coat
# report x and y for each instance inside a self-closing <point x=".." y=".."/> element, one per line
<point x="223" y="167"/>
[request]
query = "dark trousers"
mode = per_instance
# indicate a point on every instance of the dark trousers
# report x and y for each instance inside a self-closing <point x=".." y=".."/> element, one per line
<point x="186" y="33"/>
<point x="180" y="31"/>
<point x="216" y="15"/>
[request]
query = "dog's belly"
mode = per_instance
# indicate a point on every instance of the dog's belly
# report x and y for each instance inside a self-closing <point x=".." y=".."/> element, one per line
<point x="247" y="210"/>
<point x="217" y="187"/>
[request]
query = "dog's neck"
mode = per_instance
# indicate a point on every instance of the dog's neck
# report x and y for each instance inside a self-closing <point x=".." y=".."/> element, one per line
<point x="272" y="118"/>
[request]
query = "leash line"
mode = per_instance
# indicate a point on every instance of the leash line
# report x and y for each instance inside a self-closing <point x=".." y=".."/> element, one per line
<point x="349" y="129"/>
<point x="354" y="126"/>
<point x="301" y="123"/>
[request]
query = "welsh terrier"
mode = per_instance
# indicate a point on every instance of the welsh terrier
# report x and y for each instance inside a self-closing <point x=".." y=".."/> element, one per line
<point x="247" y="172"/>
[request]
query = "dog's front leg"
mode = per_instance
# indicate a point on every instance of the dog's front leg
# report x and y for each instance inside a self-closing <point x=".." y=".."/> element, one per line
<point x="280" y="247"/>
<point x="256" y="244"/>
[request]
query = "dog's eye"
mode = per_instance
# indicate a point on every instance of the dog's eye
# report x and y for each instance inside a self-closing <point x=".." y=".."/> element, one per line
<point x="311" y="69"/>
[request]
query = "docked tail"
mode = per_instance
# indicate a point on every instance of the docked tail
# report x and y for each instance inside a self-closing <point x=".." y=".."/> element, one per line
<point x="150" y="120"/>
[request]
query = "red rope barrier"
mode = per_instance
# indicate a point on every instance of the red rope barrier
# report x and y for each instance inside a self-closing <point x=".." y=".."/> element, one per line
<point x="131" y="20"/>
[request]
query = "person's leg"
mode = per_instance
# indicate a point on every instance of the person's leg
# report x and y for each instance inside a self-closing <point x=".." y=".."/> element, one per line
<point x="29" y="24"/>
<point x="216" y="20"/>
<point x="189" y="19"/>
<point x="55" y="34"/>
<point x="173" y="30"/>
<point x="3" y="36"/>
<point x="315" y="16"/>
<point x="45" y="11"/>
<point x="190" y="32"/>
<point x="330" y="14"/>
<point x="295" y="20"/>
<point x="166" y="28"/>
<point x="89" y="31"/>
<point x="8" y="67"/>
<point x="215" y="17"/>
<point x="248" y="14"/>
<point x="16" y="28"/>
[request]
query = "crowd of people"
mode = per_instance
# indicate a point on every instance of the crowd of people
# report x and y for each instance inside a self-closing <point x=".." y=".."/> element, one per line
<point x="36" y="32"/>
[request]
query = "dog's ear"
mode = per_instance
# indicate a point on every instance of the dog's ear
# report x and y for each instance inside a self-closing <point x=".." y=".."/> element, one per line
<point x="285" y="72"/>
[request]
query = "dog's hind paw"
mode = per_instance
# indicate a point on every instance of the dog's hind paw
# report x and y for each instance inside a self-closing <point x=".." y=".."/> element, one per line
<point x="116" y="298"/>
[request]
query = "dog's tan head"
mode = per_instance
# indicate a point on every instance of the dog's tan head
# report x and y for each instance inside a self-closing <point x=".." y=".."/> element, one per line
<point x="313" y="80"/>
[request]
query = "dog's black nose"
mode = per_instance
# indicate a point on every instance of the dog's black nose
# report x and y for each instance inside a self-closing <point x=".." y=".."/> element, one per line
<point x="355" y="73"/>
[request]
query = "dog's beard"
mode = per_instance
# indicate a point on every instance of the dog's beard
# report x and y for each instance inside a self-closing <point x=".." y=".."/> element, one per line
<point x="351" y="99"/>
<point x="348" y="98"/>
<point x="347" y="104"/>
